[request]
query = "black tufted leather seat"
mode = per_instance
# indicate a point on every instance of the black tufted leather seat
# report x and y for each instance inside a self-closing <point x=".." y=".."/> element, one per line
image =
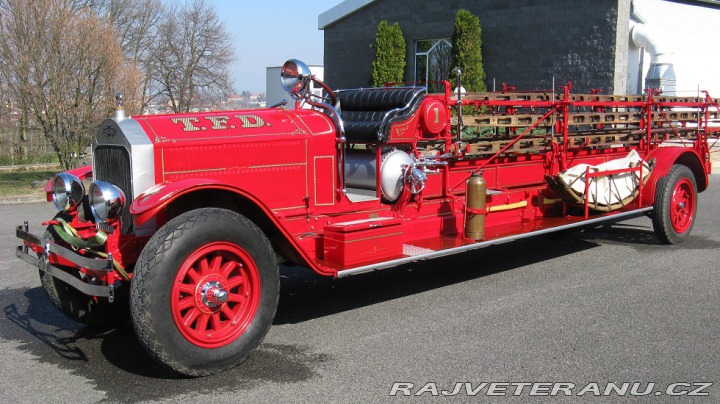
<point x="367" y="113"/>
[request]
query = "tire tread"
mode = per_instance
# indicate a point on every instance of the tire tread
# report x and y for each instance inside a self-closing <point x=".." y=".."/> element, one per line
<point x="152" y="255"/>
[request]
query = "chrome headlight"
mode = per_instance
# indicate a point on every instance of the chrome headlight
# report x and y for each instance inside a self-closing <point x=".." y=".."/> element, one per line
<point x="106" y="200"/>
<point x="67" y="191"/>
<point x="295" y="77"/>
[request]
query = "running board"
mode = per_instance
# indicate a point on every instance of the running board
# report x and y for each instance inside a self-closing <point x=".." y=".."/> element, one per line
<point x="483" y="244"/>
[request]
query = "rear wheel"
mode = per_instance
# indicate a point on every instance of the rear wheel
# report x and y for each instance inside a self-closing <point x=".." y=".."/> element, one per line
<point x="205" y="291"/>
<point x="675" y="205"/>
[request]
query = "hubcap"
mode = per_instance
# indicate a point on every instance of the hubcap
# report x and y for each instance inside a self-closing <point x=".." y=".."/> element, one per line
<point x="215" y="295"/>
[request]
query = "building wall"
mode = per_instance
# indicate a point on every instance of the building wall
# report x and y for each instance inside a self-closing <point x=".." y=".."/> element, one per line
<point x="525" y="42"/>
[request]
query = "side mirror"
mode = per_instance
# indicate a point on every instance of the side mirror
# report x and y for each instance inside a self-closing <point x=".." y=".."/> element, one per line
<point x="295" y="77"/>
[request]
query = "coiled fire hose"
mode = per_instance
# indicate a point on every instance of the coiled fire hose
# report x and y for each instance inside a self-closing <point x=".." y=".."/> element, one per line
<point x="89" y="245"/>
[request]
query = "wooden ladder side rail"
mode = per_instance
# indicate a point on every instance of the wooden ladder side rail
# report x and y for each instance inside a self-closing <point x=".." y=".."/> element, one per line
<point x="494" y="156"/>
<point x="583" y="118"/>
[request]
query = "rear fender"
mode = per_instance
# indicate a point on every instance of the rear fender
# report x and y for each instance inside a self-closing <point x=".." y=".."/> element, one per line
<point x="665" y="158"/>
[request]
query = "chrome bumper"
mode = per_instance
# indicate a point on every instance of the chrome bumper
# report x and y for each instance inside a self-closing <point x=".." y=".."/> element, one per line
<point x="43" y="263"/>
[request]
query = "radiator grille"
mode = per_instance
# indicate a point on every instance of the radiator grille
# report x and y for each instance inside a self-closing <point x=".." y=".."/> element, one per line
<point x="112" y="164"/>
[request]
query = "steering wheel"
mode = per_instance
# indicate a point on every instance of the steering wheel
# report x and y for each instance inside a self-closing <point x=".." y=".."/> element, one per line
<point x="330" y="94"/>
<point x="295" y="77"/>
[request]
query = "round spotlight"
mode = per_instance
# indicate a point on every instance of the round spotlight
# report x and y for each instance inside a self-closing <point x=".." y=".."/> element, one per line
<point x="68" y="191"/>
<point x="294" y="77"/>
<point x="106" y="200"/>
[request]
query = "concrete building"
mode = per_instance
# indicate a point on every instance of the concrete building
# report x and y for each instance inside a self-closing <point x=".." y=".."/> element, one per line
<point x="532" y="43"/>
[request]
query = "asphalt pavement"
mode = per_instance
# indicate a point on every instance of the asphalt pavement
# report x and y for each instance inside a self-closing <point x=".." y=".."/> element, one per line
<point x="587" y="308"/>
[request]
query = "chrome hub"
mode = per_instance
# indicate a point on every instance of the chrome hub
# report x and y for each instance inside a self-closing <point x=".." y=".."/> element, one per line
<point x="213" y="294"/>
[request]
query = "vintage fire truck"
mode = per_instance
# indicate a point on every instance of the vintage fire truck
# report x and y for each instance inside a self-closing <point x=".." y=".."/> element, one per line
<point x="188" y="216"/>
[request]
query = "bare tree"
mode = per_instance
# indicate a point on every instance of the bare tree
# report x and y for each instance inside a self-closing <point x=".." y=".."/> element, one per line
<point x="62" y="65"/>
<point x="136" y="25"/>
<point x="5" y="117"/>
<point x="62" y="61"/>
<point x="194" y="54"/>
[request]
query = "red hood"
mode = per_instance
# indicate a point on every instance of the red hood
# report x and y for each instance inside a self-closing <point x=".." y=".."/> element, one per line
<point x="232" y="126"/>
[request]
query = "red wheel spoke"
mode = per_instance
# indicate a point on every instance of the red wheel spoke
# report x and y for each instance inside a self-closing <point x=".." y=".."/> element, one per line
<point x="227" y="269"/>
<point x="193" y="275"/>
<point x="202" y="323"/>
<point x="187" y="289"/>
<point x="227" y="312"/>
<point x="215" y="321"/>
<point x="235" y="282"/>
<point x="186" y="303"/>
<point x="203" y="267"/>
<point x="216" y="263"/>
<point x="235" y="297"/>
<point x="190" y="317"/>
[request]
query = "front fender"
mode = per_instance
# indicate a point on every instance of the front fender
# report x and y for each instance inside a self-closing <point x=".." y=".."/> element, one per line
<point x="147" y="204"/>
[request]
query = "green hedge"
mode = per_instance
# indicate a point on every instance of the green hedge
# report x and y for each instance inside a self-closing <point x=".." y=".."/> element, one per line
<point x="467" y="51"/>
<point x="389" y="63"/>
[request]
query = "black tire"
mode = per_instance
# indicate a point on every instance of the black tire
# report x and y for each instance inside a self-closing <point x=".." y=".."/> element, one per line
<point x="192" y="258"/>
<point x="675" y="205"/>
<point x="94" y="312"/>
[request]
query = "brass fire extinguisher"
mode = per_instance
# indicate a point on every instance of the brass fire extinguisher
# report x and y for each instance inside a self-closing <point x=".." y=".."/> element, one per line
<point x="475" y="198"/>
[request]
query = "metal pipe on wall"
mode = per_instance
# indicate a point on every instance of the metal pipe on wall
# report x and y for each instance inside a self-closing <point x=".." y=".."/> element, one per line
<point x="661" y="73"/>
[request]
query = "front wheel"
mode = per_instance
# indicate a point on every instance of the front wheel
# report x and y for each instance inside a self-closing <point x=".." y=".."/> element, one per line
<point x="205" y="291"/>
<point x="675" y="205"/>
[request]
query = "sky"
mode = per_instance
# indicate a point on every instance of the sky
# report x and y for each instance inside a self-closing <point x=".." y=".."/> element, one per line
<point x="269" y="32"/>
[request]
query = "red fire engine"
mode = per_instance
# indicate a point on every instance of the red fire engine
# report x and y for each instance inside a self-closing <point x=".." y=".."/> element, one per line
<point x="188" y="216"/>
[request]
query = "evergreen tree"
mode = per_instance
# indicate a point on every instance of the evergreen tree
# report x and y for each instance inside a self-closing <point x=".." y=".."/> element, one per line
<point x="389" y="63"/>
<point x="467" y="51"/>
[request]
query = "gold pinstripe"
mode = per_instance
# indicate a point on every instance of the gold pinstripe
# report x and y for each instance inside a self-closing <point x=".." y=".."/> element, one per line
<point x="202" y="170"/>
<point x="332" y="165"/>
<point x="278" y="165"/>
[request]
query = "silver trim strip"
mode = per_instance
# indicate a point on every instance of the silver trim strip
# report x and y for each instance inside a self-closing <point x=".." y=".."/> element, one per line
<point x="91" y="290"/>
<point x="22" y="234"/>
<point x="449" y="251"/>
<point x="95" y="264"/>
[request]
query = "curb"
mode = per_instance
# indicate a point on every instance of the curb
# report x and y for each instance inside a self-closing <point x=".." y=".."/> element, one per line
<point x="30" y="167"/>
<point x="18" y="199"/>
